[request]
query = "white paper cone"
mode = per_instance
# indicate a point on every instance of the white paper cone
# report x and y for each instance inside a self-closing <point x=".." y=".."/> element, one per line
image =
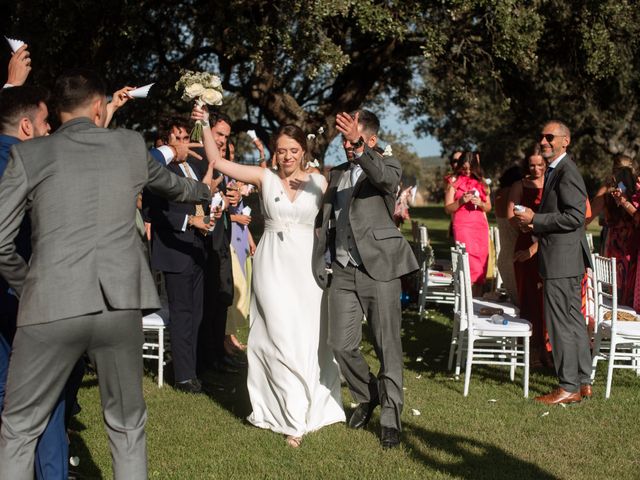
<point x="252" y="134"/>
<point x="140" y="92"/>
<point x="246" y="211"/>
<point x="216" y="201"/>
<point x="14" y="44"/>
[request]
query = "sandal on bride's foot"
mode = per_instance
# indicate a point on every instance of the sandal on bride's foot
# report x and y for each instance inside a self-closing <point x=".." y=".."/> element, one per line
<point x="236" y="343"/>
<point x="294" y="442"/>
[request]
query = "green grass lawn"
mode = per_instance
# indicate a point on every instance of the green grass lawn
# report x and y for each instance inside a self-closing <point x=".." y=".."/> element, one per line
<point x="206" y="436"/>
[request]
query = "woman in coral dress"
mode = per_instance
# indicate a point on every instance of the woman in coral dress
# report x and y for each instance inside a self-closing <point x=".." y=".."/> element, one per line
<point x="467" y="201"/>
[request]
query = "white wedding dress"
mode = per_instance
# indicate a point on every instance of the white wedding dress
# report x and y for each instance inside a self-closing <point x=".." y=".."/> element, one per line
<point x="293" y="379"/>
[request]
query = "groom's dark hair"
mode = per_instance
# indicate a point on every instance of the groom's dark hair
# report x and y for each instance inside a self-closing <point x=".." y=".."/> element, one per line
<point x="76" y="87"/>
<point x="369" y="121"/>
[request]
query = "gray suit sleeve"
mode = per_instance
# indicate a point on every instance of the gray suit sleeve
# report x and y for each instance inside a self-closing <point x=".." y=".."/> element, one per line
<point x="572" y="194"/>
<point x="383" y="172"/>
<point x="13" y="200"/>
<point x="168" y="185"/>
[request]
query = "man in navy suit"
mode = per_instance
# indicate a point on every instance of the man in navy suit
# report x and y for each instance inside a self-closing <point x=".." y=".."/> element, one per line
<point x="178" y="232"/>
<point x="23" y="116"/>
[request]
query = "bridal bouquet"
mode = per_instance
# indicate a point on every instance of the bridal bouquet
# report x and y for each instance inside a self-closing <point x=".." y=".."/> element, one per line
<point x="203" y="88"/>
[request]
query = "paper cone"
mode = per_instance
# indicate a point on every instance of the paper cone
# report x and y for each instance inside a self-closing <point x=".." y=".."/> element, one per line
<point x="252" y="134"/>
<point x="140" y="92"/>
<point x="14" y="44"/>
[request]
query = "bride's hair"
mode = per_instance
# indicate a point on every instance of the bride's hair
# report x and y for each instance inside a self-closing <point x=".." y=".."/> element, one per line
<point x="296" y="133"/>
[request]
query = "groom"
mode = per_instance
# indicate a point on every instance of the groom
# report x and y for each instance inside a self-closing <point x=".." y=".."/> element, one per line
<point x="368" y="255"/>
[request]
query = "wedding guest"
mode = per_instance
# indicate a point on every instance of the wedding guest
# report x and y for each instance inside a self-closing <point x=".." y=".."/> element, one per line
<point x="563" y="256"/>
<point x="92" y="281"/>
<point x="528" y="193"/>
<point x="23" y="116"/>
<point x="467" y="201"/>
<point x="622" y="235"/>
<point x="506" y="232"/>
<point x="293" y="380"/>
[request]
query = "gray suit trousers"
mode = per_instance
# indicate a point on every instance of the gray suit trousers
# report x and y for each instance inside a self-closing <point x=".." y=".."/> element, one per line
<point x="567" y="331"/>
<point x="41" y="361"/>
<point x="353" y="292"/>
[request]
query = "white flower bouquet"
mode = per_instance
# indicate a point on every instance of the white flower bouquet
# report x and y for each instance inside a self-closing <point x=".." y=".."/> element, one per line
<point x="203" y="88"/>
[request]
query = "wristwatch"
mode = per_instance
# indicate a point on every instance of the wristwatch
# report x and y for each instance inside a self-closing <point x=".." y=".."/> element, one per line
<point x="358" y="144"/>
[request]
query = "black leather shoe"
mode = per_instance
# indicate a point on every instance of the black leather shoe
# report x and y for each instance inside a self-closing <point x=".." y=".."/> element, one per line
<point x="389" y="437"/>
<point x="190" y="386"/>
<point x="362" y="414"/>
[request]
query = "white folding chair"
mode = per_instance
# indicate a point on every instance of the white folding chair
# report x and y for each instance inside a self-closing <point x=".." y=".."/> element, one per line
<point x="623" y="337"/>
<point x="479" y="304"/>
<point x="156" y="336"/>
<point x="488" y="343"/>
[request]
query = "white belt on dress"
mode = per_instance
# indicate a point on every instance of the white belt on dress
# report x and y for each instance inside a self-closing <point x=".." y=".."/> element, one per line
<point x="279" y="226"/>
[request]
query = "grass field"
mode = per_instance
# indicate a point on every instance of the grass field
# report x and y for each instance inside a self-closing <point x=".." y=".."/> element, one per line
<point x="206" y="437"/>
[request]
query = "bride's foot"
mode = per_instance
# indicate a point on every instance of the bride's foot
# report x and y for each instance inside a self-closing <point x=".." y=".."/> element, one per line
<point x="294" y="442"/>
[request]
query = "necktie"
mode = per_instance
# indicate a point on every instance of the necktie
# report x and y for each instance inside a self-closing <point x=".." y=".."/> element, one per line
<point x="547" y="172"/>
<point x="356" y="170"/>
<point x="190" y="174"/>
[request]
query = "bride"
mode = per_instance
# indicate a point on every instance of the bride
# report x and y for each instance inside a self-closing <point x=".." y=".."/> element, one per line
<point x="293" y="379"/>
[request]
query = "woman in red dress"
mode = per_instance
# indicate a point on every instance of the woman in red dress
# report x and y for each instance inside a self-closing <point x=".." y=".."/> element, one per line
<point x="467" y="201"/>
<point x="528" y="193"/>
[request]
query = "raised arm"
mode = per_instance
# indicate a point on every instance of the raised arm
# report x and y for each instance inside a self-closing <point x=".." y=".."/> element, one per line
<point x="168" y="185"/>
<point x="244" y="173"/>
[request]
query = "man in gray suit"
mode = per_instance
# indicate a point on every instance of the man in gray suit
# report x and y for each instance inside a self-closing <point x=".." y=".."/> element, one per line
<point x="88" y="278"/>
<point x="563" y="255"/>
<point x="368" y="255"/>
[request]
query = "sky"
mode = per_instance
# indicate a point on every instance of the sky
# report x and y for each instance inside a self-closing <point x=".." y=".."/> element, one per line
<point x="391" y="121"/>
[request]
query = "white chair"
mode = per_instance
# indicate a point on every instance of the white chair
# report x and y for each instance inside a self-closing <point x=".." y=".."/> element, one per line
<point x="590" y="241"/>
<point x="488" y="343"/>
<point x="478" y="305"/>
<point x="621" y="337"/>
<point x="155" y="346"/>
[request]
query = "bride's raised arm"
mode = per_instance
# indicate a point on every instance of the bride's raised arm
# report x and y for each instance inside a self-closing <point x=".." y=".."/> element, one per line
<point x="243" y="173"/>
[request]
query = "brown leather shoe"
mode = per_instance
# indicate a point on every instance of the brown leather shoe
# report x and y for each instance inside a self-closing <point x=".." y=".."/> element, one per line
<point x="559" y="395"/>
<point x="585" y="391"/>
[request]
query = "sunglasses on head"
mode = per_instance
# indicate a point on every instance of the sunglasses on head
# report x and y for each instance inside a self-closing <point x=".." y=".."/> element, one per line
<point x="549" y="137"/>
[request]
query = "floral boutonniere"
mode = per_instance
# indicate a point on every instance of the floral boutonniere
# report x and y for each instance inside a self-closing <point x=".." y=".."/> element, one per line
<point x="387" y="151"/>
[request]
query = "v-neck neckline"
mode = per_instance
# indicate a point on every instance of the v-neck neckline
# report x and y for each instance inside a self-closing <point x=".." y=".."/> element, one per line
<point x="298" y="191"/>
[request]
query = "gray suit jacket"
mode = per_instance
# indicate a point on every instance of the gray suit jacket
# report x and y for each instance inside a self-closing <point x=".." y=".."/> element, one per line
<point x="79" y="187"/>
<point x="385" y="253"/>
<point x="559" y="224"/>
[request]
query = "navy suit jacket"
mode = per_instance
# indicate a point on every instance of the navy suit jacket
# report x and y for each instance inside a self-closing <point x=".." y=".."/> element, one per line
<point x="172" y="249"/>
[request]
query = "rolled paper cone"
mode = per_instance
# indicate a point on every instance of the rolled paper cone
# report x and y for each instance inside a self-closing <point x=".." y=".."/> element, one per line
<point x="216" y="201"/>
<point x="252" y="134"/>
<point x="246" y="211"/>
<point x="140" y="92"/>
<point x="424" y="239"/>
<point x="14" y="44"/>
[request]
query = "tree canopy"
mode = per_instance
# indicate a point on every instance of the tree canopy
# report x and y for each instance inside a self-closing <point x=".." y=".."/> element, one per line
<point x="477" y="73"/>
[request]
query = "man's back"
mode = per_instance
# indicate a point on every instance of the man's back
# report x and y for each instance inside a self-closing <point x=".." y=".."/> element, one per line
<point x="81" y="185"/>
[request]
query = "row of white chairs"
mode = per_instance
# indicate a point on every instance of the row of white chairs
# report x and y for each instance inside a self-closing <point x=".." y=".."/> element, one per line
<point x="616" y="341"/>
<point x="476" y="338"/>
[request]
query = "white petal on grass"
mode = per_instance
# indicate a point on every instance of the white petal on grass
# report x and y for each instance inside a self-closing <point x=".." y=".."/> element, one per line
<point x="74" y="461"/>
<point x="544" y="414"/>
<point x="419" y="377"/>
<point x="353" y="405"/>
<point x="415" y="412"/>
<point x="419" y="359"/>
<point x="492" y="400"/>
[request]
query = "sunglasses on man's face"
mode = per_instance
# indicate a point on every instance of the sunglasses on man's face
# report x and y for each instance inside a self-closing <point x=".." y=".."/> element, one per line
<point x="549" y="137"/>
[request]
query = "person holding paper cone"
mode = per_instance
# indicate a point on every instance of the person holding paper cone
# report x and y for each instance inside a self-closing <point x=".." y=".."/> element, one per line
<point x="293" y="380"/>
<point x="178" y="233"/>
<point x="87" y="281"/>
